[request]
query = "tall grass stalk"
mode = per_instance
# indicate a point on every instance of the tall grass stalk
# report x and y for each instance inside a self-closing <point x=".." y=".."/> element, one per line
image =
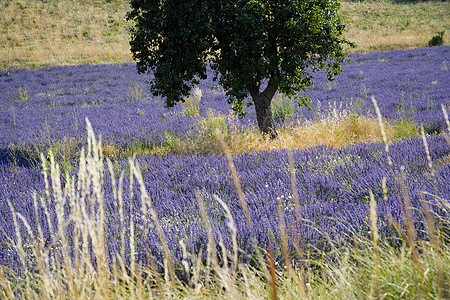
<point x="405" y="198"/>
<point x="243" y="202"/>
<point x="374" y="289"/>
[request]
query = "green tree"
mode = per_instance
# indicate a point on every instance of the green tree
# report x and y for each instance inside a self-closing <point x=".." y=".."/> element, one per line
<point x="254" y="47"/>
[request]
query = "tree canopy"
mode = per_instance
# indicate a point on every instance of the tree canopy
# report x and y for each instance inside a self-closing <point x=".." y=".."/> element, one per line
<point x="254" y="47"/>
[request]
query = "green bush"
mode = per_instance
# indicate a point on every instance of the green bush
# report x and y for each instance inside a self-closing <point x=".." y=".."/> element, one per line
<point x="437" y="40"/>
<point x="282" y="108"/>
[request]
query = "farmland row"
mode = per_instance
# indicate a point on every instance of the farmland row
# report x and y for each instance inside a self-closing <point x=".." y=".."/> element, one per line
<point x="48" y="105"/>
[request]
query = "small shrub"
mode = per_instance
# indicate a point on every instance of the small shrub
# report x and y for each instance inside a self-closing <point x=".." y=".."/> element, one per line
<point x="213" y="121"/>
<point x="136" y="93"/>
<point x="170" y="144"/>
<point x="406" y="128"/>
<point x="23" y="94"/>
<point x="282" y="108"/>
<point x="190" y="104"/>
<point x="437" y="40"/>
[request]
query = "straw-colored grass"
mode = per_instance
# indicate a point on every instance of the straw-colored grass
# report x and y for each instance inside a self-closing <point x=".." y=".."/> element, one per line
<point x="386" y="25"/>
<point x="335" y="131"/>
<point x="36" y="33"/>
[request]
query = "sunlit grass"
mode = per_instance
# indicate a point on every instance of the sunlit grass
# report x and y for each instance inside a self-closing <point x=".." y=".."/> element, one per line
<point x="37" y="33"/>
<point x="381" y="25"/>
<point x="337" y="129"/>
<point x="333" y="131"/>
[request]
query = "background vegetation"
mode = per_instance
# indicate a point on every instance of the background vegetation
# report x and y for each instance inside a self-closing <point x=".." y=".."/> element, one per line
<point x="54" y="32"/>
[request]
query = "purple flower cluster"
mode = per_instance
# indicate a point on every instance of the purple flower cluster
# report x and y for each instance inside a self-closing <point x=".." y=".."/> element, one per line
<point x="333" y="187"/>
<point x="46" y="104"/>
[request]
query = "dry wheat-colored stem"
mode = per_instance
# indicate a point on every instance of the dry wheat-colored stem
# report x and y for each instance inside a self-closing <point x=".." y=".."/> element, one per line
<point x="446" y="136"/>
<point x="136" y="171"/>
<point x="444" y="110"/>
<point x="236" y="181"/>
<point x="273" y="273"/>
<point x="374" y="292"/>
<point x="409" y="222"/>
<point x="5" y="286"/>
<point x="232" y="226"/>
<point x="285" y="249"/>
<point x="435" y="243"/>
<point x="211" y="247"/>
<point x="383" y="131"/>
<point x="294" y="190"/>
<point x="185" y="263"/>
<point x="242" y="200"/>
<point x="405" y="199"/>
<point x="427" y="151"/>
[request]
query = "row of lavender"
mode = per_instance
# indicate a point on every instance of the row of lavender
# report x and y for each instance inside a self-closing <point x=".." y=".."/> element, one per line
<point x="49" y="103"/>
<point x="333" y="187"/>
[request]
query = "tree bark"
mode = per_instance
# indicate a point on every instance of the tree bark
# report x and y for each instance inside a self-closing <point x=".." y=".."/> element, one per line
<point x="264" y="115"/>
<point x="262" y="101"/>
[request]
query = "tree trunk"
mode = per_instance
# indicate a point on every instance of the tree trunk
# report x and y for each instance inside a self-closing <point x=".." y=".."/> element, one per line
<point x="262" y="101"/>
<point x="264" y="115"/>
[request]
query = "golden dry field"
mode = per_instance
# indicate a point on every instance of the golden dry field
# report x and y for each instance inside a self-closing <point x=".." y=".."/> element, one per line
<point x="55" y="32"/>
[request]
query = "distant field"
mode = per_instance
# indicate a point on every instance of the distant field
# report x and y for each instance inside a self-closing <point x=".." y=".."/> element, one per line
<point x="36" y="33"/>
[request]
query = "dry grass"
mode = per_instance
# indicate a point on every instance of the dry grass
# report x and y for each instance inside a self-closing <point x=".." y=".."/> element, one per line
<point x="386" y="25"/>
<point x="333" y="131"/>
<point x="36" y="33"/>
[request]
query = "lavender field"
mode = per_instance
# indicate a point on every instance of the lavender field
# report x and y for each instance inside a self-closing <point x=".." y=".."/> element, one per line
<point x="333" y="187"/>
<point x="48" y="105"/>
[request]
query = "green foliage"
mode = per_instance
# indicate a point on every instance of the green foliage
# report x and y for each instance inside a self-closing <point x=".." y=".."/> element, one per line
<point x="170" y="145"/>
<point x="303" y="101"/>
<point x="282" y="108"/>
<point x="135" y="93"/>
<point x="191" y="109"/>
<point x="406" y="128"/>
<point x="212" y="123"/>
<point x="247" y="43"/>
<point x="190" y="104"/>
<point x="364" y="90"/>
<point x="437" y="40"/>
<point x="172" y="39"/>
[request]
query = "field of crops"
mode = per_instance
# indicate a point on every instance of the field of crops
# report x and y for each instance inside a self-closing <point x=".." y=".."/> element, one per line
<point x="51" y="103"/>
<point x="46" y="108"/>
